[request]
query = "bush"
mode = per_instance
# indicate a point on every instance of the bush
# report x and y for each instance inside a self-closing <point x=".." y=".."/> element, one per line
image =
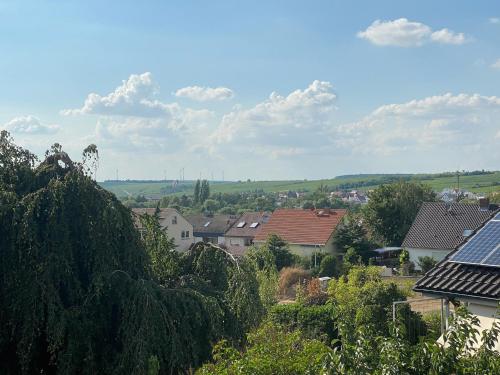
<point x="313" y="321"/>
<point x="426" y="263"/>
<point x="290" y="277"/>
<point x="328" y="266"/>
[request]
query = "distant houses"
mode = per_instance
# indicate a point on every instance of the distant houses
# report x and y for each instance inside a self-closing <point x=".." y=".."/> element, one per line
<point x="242" y="233"/>
<point x="172" y="222"/>
<point x="439" y="227"/>
<point x="211" y="228"/>
<point x="306" y="231"/>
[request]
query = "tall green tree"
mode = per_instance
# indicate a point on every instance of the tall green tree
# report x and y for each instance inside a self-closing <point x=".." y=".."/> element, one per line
<point x="196" y="194"/>
<point x="393" y="207"/>
<point x="204" y="191"/>
<point x="280" y="250"/>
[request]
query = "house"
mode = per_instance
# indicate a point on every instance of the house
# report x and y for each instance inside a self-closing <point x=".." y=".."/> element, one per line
<point x="243" y="231"/>
<point x="470" y="275"/>
<point x="211" y="228"/>
<point x="172" y="222"/>
<point x="439" y="227"/>
<point x="306" y="231"/>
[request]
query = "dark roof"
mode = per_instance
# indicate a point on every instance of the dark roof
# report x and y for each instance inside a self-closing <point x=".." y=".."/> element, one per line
<point x="248" y="218"/>
<point x="218" y="224"/>
<point x="297" y="226"/>
<point x="461" y="278"/>
<point x="441" y="226"/>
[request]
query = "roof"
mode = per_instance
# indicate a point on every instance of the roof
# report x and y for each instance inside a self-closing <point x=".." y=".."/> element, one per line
<point x="441" y="226"/>
<point x="249" y="229"/>
<point x="163" y="214"/>
<point x="215" y="225"/>
<point x="462" y="279"/>
<point x="297" y="226"/>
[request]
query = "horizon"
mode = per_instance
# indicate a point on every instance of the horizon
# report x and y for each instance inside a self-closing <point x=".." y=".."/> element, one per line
<point x="318" y="89"/>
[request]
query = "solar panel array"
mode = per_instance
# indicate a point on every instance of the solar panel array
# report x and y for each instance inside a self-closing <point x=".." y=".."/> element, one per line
<point x="483" y="248"/>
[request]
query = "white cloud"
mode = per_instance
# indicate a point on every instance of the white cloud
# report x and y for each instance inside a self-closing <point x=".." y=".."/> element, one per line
<point x="281" y="124"/>
<point x="430" y="125"/>
<point x="204" y="94"/>
<point x="404" y="33"/>
<point x="496" y="64"/>
<point x="494" y="20"/>
<point x="445" y="36"/>
<point x="134" y="97"/>
<point x="29" y="125"/>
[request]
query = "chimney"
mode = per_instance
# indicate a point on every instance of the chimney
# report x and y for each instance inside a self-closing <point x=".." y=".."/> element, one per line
<point x="484" y="204"/>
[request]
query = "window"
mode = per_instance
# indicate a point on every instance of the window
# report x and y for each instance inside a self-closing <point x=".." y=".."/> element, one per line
<point x="174" y="220"/>
<point x="241" y="224"/>
<point x="187" y="234"/>
<point x="183" y="234"/>
<point x="254" y="225"/>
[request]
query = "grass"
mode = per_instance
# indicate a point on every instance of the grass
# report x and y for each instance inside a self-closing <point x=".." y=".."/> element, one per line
<point x="477" y="183"/>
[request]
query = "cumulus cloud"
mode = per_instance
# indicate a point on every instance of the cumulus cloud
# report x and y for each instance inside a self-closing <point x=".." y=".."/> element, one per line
<point x="494" y="20"/>
<point x="203" y="94"/>
<point x="29" y="125"/>
<point x="280" y="126"/>
<point x="496" y="64"/>
<point x="134" y="97"/>
<point x="404" y="33"/>
<point x="452" y="122"/>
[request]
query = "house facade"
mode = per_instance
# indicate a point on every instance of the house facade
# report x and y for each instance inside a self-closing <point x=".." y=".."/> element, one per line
<point x="172" y="222"/>
<point x="306" y="231"/>
<point x="211" y="228"/>
<point x="470" y="275"/>
<point x="439" y="227"/>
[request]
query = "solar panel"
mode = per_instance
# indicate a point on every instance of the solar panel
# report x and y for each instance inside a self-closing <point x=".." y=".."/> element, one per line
<point x="483" y="248"/>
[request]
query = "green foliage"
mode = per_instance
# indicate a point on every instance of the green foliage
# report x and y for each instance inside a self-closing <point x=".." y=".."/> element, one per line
<point x="267" y="275"/>
<point x="351" y="233"/>
<point x="328" y="266"/>
<point x="426" y="263"/>
<point x="196" y="193"/>
<point x="351" y="258"/>
<point x="404" y="256"/>
<point x="363" y="298"/>
<point x="280" y="250"/>
<point x="204" y="191"/>
<point x="314" y="321"/>
<point x="392" y="209"/>
<point x="270" y="350"/>
<point x="80" y="292"/>
<point x="210" y="205"/>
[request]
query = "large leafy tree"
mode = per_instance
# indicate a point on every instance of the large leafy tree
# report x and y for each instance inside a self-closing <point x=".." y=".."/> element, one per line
<point x="393" y="207"/>
<point x="80" y="292"/>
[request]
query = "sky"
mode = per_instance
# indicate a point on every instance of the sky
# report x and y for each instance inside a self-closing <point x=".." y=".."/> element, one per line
<point x="260" y="90"/>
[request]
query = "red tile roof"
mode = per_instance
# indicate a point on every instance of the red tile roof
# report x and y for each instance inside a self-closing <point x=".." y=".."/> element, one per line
<point x="297" y="226"/>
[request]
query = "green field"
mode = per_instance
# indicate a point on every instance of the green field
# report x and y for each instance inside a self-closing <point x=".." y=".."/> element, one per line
<point x="484" y="183"/>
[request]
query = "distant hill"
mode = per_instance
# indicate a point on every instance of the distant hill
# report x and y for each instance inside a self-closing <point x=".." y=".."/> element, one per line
<point x="476" y="181"/>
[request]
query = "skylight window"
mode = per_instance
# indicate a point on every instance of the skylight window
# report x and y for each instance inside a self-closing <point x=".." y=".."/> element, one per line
<point x="207" y="224"/>
<point x="467" y="232"/>
<point x="241" y="224"/>
<point x="254" y="225"/>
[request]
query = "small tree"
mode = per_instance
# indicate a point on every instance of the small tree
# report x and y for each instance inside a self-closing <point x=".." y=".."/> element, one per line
<point x="328" y="266"/>
<point x="279" y="248"/>
<point x="426" y="263"/>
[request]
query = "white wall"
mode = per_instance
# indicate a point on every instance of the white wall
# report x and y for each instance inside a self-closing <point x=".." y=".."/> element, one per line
<point x="175" y="230"/>
<point x="434" y="253"/>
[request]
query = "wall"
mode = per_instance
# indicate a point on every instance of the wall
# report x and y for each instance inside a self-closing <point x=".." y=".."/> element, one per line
<point x="175" y="231"/>
<point x="435" y="253"/>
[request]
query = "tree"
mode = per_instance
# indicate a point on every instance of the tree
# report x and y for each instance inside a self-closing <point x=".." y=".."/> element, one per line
<point x="328" y="266"/>
<point x="196" y="194"/>
<point x="426" y="263"/>
<point x="280" y="250"/>
<point x="351" y="233"/>
<point x="393" y="207"/>
<point x="204" y="191"/>
<point x="210" y="205"/>
<point x="80" y="292"/>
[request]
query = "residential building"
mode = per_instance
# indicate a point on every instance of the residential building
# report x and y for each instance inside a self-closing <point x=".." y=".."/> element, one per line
<point x="172" y="222"/>
<point x="306" y="231"/>
<point x="242" y="233"/>
<point x="211" y="228"/>
<point x="439" y="227"/>
<point x="470" y="275"/>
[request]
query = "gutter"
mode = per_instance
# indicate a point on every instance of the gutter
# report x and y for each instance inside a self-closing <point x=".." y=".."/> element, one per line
<point x="430" y="291"/>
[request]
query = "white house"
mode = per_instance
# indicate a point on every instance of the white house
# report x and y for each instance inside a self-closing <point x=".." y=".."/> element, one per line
<point x="470" y="275"/>
<point x="440" y="227"/>
<point x="176" y="225"/>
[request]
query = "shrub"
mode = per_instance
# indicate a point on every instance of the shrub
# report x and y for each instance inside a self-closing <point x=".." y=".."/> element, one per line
<point x="328" y="266"/>
<point x="290" y="277"/>
<point x="426" y="263"/>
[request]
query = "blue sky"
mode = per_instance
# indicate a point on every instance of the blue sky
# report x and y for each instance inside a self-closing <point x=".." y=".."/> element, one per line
<point x="359" y="86"/>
